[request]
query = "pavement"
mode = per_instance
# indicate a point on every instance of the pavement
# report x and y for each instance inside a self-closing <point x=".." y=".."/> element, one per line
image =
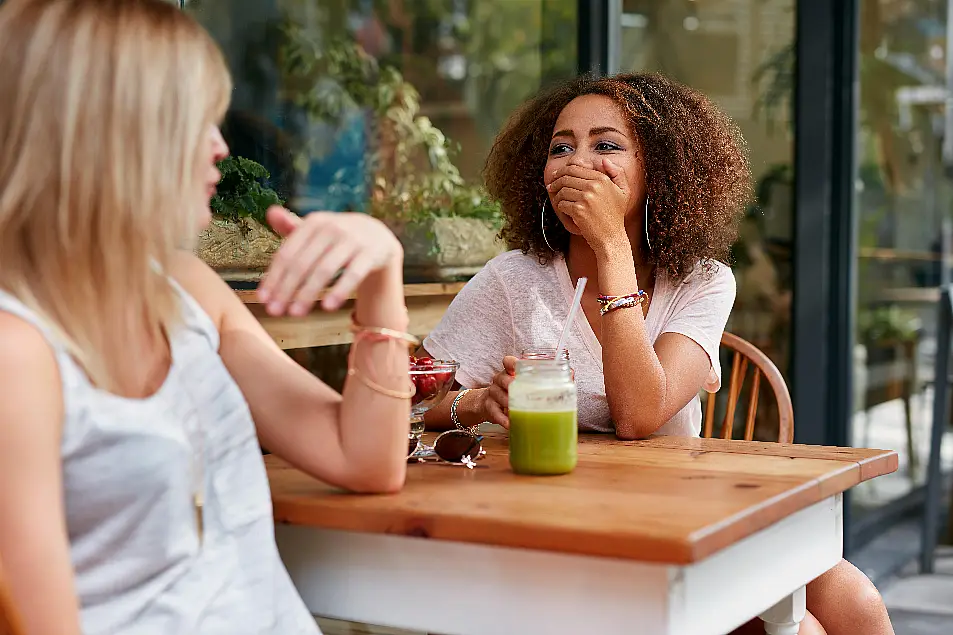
<point x="922" y="604"/>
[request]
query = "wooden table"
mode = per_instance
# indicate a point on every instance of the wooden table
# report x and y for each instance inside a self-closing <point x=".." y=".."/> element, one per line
<point x="426" y="304"/>
<point x="664" y="536"/>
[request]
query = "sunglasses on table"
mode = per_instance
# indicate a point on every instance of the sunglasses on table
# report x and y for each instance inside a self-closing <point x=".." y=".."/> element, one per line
<point x="456" y="447"/>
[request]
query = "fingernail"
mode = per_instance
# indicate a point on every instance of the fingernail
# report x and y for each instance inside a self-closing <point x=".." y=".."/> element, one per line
<point x="331" y="302"/>
<point x="263" y="294"/>
<point x="275" y="308"/>
<point x="298" y="309"/>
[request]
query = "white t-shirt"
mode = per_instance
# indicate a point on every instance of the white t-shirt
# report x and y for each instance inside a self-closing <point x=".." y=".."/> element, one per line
<point x="515" y="303"/>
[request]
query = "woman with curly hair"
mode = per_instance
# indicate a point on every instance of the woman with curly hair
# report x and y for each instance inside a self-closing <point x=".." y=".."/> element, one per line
<point x="638" y="184"/>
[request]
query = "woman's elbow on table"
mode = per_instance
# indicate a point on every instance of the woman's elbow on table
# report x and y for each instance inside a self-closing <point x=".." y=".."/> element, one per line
<point x="383" y="476"/>
<point x="374" y="485"/>
<point x="632" y="424"/>
<point x="635" y="431"/>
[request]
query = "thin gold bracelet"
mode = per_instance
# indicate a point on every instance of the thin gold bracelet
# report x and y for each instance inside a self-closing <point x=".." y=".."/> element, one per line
<point x="352" y="370"/>
<point x="387" y="392"/>
<point x="358" y="329"/>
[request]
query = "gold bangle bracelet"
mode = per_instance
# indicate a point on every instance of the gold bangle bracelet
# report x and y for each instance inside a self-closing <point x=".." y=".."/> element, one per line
<point x="358" y="329"/>
<point x="387" y="392"/>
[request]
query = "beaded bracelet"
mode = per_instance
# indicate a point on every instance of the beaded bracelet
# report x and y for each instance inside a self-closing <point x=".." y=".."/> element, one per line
<point x="609" y="303"/>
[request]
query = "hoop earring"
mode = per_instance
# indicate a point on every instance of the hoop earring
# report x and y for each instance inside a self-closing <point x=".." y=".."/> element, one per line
<point x="542" y="224"/>
<point x="647" y="241"/>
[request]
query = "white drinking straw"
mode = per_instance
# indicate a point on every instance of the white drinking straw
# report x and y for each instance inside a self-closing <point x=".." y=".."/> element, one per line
<point x="576" y="301"/>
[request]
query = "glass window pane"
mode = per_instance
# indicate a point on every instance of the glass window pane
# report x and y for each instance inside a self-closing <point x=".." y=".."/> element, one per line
<point x="903" y="198"/>
<point x="741" y="54"/>
<point x="387" y="106"/>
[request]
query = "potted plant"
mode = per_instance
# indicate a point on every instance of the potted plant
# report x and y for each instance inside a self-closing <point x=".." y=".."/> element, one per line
<point x="238" y="243"/>
<point x="445" y="235"/>
<point x="448" y="228"/>
<point x="889" y="336"/>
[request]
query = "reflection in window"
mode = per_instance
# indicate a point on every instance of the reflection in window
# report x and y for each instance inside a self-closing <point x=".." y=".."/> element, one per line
<point x="903" y="199"/>
<point x="741" y="54"/>
<point x="388" y="106"/>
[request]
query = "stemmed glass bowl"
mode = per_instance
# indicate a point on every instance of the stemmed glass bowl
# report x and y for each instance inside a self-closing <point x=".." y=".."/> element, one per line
<point x="432" y="379"/>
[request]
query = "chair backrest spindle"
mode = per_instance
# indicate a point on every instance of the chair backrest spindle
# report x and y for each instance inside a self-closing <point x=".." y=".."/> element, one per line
<point x="747" y="355"/>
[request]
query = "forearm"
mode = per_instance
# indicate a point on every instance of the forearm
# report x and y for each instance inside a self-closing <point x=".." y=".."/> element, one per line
<point x="469" y="411"/>
<point x="373" y="426"/>
<point x="380" y="300"/>
<point x="634" y="378"/>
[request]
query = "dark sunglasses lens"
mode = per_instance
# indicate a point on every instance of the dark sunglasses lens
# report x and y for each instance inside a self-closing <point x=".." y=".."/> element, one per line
<point x="454" y="445"/>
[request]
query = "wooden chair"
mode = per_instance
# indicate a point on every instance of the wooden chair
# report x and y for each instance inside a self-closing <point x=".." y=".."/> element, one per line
<point x="10" y="623"/>
<point x="747" y="356"/>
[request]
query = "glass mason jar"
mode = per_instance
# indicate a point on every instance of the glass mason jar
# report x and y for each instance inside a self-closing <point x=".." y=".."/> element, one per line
<point x="548" y="353"/>
<point x="542" y="412"/>
<point x="544" y="353"/>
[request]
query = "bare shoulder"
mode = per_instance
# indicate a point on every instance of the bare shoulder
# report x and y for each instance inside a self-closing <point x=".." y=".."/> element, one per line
<point x="202" y="282"/>
<point x="29" y="372"/>
<point x="25" y="349"/>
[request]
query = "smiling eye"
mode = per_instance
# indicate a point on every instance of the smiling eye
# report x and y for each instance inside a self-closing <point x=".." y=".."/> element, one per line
<point x="559" y="148"/>
<point x="607" y="146"/>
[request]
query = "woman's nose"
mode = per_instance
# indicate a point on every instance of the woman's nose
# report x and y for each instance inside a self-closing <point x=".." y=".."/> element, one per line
<point x="221" y="151"/>
<point x="581" y="159"/>
<point x="220" y="147"/>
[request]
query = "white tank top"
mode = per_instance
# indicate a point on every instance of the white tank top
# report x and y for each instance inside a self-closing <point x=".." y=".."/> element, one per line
<point x="128" y="489"/>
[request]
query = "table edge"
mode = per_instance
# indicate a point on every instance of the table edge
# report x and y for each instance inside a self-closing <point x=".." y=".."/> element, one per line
<point x="418" y="290"/>
<point x="698" y="546"/>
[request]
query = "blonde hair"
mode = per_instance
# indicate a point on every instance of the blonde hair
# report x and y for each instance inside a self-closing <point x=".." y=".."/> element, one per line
<point x="106" y="107"/>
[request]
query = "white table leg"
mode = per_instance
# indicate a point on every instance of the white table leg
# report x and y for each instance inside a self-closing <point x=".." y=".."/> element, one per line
<point x="784" y="618"/>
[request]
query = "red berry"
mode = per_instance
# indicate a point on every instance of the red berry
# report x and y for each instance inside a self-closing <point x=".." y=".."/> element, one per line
<point x="425" y="362"/>
<point x="443" y="378"/>
<point x="426" y="386"/>
<point x="413" y="360"/>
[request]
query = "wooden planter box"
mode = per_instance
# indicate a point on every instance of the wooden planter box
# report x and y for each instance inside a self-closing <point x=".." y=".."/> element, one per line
<point x="441" y="249"/>
<point x="238" y="253"/>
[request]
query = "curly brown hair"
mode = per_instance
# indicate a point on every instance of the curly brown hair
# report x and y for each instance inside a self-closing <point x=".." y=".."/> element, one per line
<point x="696" y="169"/>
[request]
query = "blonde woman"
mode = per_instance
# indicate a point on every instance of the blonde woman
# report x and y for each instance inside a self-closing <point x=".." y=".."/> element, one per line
<point x="133" y="497"/>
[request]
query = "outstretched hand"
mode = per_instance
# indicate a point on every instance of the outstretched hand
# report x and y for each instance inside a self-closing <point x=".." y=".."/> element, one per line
<point x="316" y="249"/>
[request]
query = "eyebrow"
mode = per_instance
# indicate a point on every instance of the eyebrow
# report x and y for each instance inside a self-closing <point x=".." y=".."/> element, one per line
<point x="592" y="133"/>
<point x="598" y="131"/>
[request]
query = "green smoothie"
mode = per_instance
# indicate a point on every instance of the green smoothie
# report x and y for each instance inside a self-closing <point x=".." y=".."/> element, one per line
<point x="543" y="442"/>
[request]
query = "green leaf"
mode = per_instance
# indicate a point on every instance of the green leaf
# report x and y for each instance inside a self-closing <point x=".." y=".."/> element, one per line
<point x="242" y="192"/>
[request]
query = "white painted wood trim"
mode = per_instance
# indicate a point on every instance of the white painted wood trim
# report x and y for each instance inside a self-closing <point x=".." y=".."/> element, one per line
<point x="785" y="617"/>
<point x="464" y="589"/>
<point x="749" y="577"/>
